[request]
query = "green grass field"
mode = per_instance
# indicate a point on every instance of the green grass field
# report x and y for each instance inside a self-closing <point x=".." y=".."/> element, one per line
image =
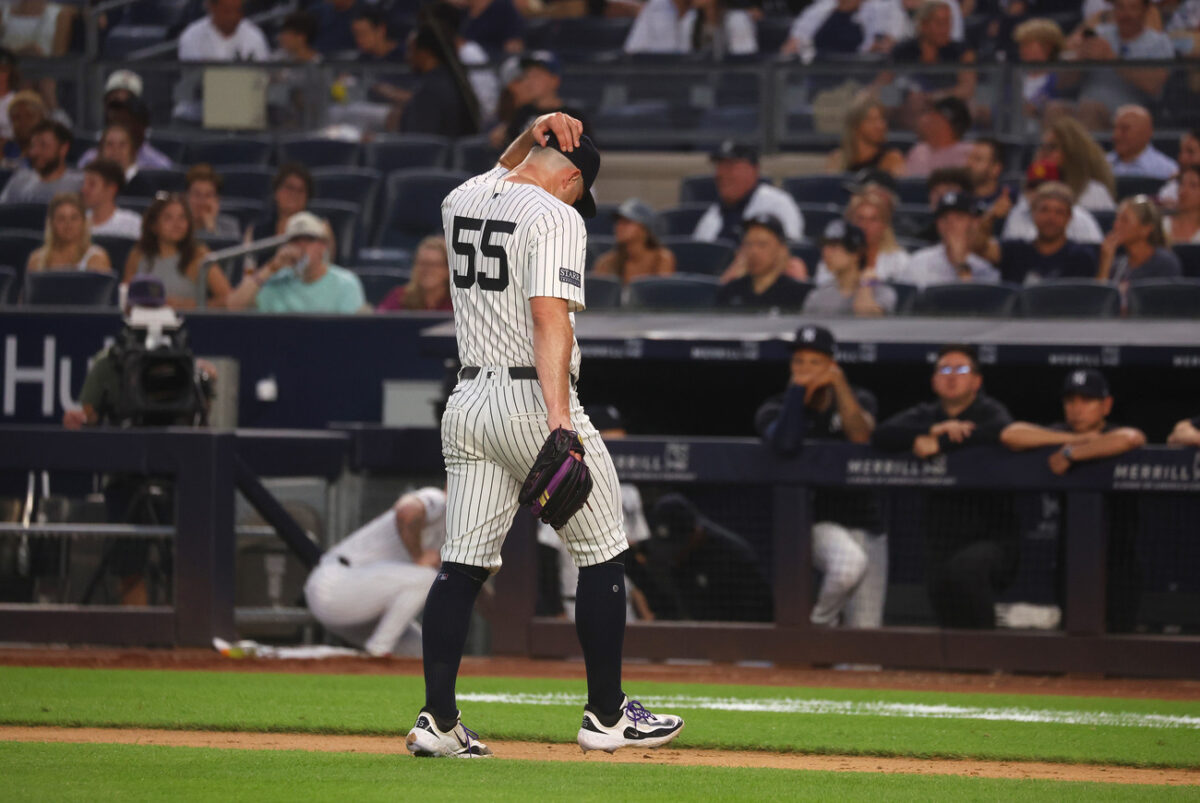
<point x="1149" y="733"/>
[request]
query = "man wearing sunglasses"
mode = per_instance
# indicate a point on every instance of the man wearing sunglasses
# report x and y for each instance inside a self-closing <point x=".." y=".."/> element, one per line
<point x="971" y="536"/>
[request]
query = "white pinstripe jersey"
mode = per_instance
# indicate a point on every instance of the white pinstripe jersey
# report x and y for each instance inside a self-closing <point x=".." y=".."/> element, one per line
<point x="508" y="243"/>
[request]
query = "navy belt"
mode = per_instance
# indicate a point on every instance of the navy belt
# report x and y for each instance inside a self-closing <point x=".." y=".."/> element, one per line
<point x="514" y="372"/>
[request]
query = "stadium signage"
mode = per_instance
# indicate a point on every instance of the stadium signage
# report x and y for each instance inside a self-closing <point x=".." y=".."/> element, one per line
<point x="899" y="471"/>
<point x="670" y="462"/>
<point x="51" y="376"/>
<point x="1157" y="476"/>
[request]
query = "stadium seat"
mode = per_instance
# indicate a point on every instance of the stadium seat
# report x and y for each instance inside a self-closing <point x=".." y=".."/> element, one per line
<point x="378" y="282"/>
<point x="125" y="39"/>
<point x="773" y="31"/>
<point x="249" y="181"/>
<point x="1104" y="218"/>
<point x="406" y="152"/>
<point x="732" y="120"/>
<point x="173" y="146"/>
<point x="808" y="251"/>
<point x="698" y="189"/>
<point x="5" y="174"/>
<point x="913" y="191"/>
<point x="966" y="299"/>
<point x="474" y="155"/>
<point x="602" y="223"/>
<point x="818" y="216"/>
<point x="228" y="154"/>
<point x="1165" y="298"/>
<point x="1070" y="299"/>
<point x="246" y="210"/>
<point x="413" y="205"/>
<point x="30" y="216"/>
<point x="117" y="248"/>
<point x="1189" y="258"/>
<point x="1129" y="186"/>
<point x="602" y="292"/>
<point x="15" y="248"/>
<point x="681" y="291"/>
<point x="580" y="38"/>
<point x="8" y="279"/>
<point x="343" y="219"/>
<point x="699" y="257"/>
<point x="232" y="268"/>
<point x="74" y="288"/>
<point x="818" y="189"/>
<point x="597" y="246"/>
<point x="149" y="182"/>
<point x="157" y="12"/>
<point x="314" y="152"/>
<point x="680" y="221"/>
<point x="383" y="258"/>
<point x="905" y="295"/>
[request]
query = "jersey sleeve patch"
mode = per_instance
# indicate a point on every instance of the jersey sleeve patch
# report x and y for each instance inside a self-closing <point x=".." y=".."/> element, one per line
<point x="570" y="277"/>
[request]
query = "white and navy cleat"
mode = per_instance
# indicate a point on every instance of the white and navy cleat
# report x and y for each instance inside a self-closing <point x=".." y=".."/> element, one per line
<point x="637" y="727"/>
<point x="427" y="740"/>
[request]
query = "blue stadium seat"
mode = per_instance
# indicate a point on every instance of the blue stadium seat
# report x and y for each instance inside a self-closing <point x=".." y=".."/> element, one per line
<point x="734" y="120"/>
<point x="117" y="248"/>
<point x="173" y="146"/>
<point x="8" y="280"/>
<point x="224" y="153"/>
<point x="5" y="174"/>
<point x="1129" y="186"/>
<point x="809" y="251"/>
<point x="680" y="221"/>
<point x="354" y="185"/>
<point x="822" y="189"/>
<point x="148" y="182"/>
<point x="412" y="208"/>
<point x="29" y="216"/>
<point x="1165" y="298"/>
<point x="316" y="152"/>
<point x="475" y="154"/>
<point x="1104" y="218"/>
<point x="232" y="268"/>
<point x="602" y="292"/>
<point x="968" y="299"/>
<point x="698" y="189"/>
<point x="602" y="223"/>
<point x="818" y="216"/>
<point x="246" y="210"/>
<point x="406" y="152"/>
<point x="124" y="39"/>
<point x="905" y="295"/>
<point x="343" y="219"/>
<point x="699" y="257"/>
<point x="378" y="282"/>
<point x="383" y="258"/>
<point x="1189" y="258"/>
<point x="580" y="38"/>
<point x="70" y="288"/>
<point x="773" y="31"/>
<point x="1070" y="299"/>
<point x="248" y="181"/>
<point x="15" y="248"/>
<point x="681" y="291"/>
<point x="597" y="246"/>
<point x="913" y="191"/>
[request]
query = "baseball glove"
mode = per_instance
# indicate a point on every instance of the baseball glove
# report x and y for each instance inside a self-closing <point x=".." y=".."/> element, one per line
<point x="558" y="484"/>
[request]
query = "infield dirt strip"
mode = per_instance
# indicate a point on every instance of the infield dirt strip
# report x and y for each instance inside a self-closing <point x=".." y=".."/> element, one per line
<point x="536" y="751"/>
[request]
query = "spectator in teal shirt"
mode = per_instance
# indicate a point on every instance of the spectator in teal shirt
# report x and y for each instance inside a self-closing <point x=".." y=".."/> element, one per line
<point x="300" y="278"/>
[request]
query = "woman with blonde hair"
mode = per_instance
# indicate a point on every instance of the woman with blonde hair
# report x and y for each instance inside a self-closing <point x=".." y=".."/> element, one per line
<point x="68" y="239"/>
<point x="429" y="286"/>
<point x="1082" y="165"/>
<point x="1138" y="230"/>
<point x="169" y="250"/>
<point x="864" y="142"/>
<point x="871" y="210"/>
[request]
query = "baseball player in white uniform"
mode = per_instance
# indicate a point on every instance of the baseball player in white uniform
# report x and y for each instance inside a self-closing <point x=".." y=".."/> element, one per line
<point x="517" y="243"/>
<point x="370" y="587"/>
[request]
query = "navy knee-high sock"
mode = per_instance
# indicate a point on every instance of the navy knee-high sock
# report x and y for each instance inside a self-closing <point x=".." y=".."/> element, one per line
<point x="444" y="634"/>
<point x="600" y="625"/>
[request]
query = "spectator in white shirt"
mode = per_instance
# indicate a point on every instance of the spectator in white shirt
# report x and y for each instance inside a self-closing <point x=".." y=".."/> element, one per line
<point x="870" y="209"/>
<point x="103" y="180"/>
<point x="844" y="27"/>
<point x="951" y="259"/>
<point x="1019" y="224"/>
<point x="741" y="196"/>
<point x="117" y="145"/>
<point x="1132" y="153"/>
<point x="680" y="26"/>
<point x="223" y="35"/>
<point x="1189" y="155"/>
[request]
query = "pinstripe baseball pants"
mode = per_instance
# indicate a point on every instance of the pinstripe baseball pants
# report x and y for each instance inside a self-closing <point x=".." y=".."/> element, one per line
<point x="492" y="430"/>
<point x="854" y="571"/>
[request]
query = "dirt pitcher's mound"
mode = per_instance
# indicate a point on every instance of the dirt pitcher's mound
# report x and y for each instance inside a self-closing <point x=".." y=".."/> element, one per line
<point x="570" y="752"/>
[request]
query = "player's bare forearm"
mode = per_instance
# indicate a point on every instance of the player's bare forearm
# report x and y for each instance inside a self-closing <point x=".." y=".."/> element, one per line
<point x="1110" y="444"/>
<point x="410" y="518"/>
<point x="552" y="341"/>
<point x="564" y="127"/>
<point x="857" y="423"/>
<point x="1020" y="436"/>
<point x="1184" y="434"/>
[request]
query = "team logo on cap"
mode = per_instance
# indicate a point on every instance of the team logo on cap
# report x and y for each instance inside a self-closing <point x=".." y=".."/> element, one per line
<point x="1079" y="378"/>
<point x="808" y="335"/>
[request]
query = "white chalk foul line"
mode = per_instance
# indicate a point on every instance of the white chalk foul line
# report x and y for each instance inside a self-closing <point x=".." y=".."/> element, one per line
<point x="793" y="705"/>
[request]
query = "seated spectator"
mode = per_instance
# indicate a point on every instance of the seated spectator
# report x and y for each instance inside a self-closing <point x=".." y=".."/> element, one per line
<point x="103" y="181"/>
<point x="843" y="251"/>
<point x="740" y="195"/>
<point x="692" y="26"/>
<point x="1084" y="434"/>
<point x="429" y="287"/>
<point x="335" y="38"/>
<point x="951" y="259"/>
<point x="25" y="111"/>
<point x="541" y="78"/>
<point x="844" y="27"/>
<point x="1138" y="231"/>
<point x="1184" y="28"/>
<point x="1019" y="225"/>
<point x="1128" y="36"/>
<point x="495" y="24"/>
<point x="292" y="189"/>
<point x="204" y="202"/>
<point x="638" y="252"/>
<point x="373" y="38"/>
<point x="47" y="174"/>
<point x="871" y="210"/>
<point x="170" y="252"/>
<point x="985" y="163"/>
<point x="1039" y="41"/>
<point x="1132" y="153"/>
<point x="440" y="104"/>
<point x="1081" y="163"/>
<point x="1189" y="155"/>
<point x="1051" y="255"/>
<point x="765" y="256"/>
<point x="1186" y="433"/>
<point x="933" y="45"/>
<point x="864" y="142"/>
<point x="941" y="128"/>
<point x="1184" y="225"/>
<point x="123" y="104"/>
<point x="297" y="37"/>
<point x="224" y="34"/>
<point x="36" y="27"/>
<point x="10" y="79"/>
<point x="300" y="278"/>
<point x="971" y="537"/>
<point x="849" y="539"/>
<point x="68" y="239"/>
<point x="117" y="146"/>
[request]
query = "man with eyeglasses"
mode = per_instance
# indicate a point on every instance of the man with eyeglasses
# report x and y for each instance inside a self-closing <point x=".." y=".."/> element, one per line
<point x="971" y="536"/>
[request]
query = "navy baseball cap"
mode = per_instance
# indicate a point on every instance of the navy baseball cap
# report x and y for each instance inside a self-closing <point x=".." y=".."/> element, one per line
<point x="814" y="338"/>
<point x="768" y="222"/>
<point x="955" y="202"/>
<point x="732" y="149"/>
<point x="587" y="159"/>
<point x="1086" y="382"/>
<point x="845" y="234"/>
<point x="544" y="59"/>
